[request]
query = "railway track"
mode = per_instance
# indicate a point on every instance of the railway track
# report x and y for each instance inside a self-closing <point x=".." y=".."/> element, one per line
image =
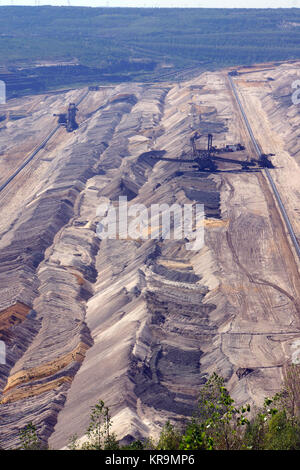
<point x="283" y="212"/>
<point x="36" y="150"/>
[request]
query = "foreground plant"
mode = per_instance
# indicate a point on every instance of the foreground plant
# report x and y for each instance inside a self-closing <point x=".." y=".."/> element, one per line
<point x="98" y="436"/>
<point x="217" y="424"/>
<point x="29" y="439"/>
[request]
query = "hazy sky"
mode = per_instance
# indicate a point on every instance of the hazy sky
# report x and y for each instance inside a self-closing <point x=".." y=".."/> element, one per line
<point x="165" y="3"/>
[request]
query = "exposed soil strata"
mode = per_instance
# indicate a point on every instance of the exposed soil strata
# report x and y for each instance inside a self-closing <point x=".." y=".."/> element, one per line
<point x="51" y="210"/>
<point x="141" y="323"/>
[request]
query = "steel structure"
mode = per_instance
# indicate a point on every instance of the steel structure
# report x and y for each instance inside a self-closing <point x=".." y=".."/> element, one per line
<point x="206" y="159"/>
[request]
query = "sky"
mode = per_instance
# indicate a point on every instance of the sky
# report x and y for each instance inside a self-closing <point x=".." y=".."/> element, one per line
<point x="164" y="3"/>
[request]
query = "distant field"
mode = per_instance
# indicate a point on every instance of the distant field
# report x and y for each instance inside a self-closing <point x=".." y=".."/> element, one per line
<point x="119" y="44"/>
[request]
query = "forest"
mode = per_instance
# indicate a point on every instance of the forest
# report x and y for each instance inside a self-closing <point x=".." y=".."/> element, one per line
<point x="146" y="44"/>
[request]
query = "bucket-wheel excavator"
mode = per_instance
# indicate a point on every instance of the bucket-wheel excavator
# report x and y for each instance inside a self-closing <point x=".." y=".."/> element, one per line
<point x="204" y="159"/>
<point x="68" y="120"/>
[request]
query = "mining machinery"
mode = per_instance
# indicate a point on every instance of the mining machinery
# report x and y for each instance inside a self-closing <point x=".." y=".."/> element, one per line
<point x="264" y="160"/>
<point x="62" y="118"/>
<point x="202" y="158"/>
<point x="71" y="119"/>
<point x="209" y="143"/>
<point x="68" y="120"/>
<point x="205" y="159"/>
<point x="193" y="139"/>
<point x="196" y="152"/>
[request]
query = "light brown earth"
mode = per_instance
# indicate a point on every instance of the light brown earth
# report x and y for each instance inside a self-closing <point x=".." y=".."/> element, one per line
<point x="141" y="324"/>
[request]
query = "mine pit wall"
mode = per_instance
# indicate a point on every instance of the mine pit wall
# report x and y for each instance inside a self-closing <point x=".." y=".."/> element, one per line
<point x="55" y="283"/>
<point x="142" y="294"/>
<point x="16" y="331"/>
<point x="148" y="321"/>
<point x="162" y="318"/>
<point x="142" y="324"/>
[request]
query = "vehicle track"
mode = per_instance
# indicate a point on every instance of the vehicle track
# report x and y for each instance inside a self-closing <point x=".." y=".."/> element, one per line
<point x="257" y="280"/>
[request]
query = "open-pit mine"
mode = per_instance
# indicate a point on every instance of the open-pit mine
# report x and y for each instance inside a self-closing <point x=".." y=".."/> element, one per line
<point x="142" y="323"/>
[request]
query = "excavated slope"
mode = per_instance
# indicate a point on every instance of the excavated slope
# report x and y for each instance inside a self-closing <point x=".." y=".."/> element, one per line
<point x="142" y="323"/>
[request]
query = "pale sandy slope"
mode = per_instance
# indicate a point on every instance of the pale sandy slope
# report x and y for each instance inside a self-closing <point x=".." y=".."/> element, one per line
<point x="141" y="323"/>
